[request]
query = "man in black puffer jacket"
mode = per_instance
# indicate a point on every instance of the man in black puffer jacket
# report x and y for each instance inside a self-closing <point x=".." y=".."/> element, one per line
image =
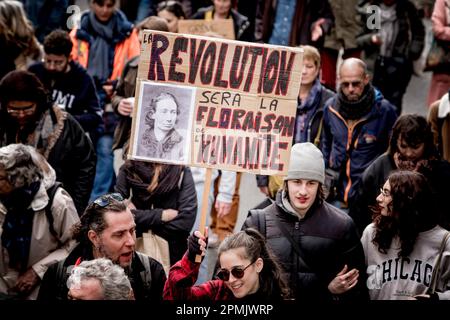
<point x="316" y="243"/>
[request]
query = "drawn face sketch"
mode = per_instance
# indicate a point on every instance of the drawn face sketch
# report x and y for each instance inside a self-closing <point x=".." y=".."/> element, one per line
<point x="165" y="115"/>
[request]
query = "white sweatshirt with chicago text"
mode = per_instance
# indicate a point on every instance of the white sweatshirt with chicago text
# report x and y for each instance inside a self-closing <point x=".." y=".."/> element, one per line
<point x="390" y="277"/>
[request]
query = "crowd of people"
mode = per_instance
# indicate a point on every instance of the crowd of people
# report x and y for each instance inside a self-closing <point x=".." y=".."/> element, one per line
<point x="361" y="214"/>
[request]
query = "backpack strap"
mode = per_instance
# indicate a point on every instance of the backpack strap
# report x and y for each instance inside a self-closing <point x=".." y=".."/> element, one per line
<point x="294" y="244"/>
<point x="435" y="276"/>
<point x="259" y="220"/>
<point x="146" y="275"/>
<point x="48" y="209"/>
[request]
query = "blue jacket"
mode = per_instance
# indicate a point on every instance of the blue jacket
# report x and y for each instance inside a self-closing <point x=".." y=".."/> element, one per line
<point x="370" y="136"/>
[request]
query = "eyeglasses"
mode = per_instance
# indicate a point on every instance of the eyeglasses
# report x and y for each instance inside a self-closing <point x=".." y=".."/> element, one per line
<point x="237" y="272"/>
<point x="353" y="83"/>
<point x="28" y="110"/>
<point x="106" y="199"/>
<point x="386" y="193"/>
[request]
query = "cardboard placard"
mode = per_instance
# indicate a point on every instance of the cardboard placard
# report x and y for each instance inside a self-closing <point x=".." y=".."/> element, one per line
<point x="223" y="28"/>
<point x="236" y="102"/>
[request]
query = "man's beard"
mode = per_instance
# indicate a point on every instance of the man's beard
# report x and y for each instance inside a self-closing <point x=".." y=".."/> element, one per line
<point x="104" y="253"/>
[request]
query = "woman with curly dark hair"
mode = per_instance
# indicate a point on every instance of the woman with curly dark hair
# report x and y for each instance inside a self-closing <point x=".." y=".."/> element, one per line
<point x="411" y="147"/>
<point x="248" y="271"/>
<point x="402" y="243"/>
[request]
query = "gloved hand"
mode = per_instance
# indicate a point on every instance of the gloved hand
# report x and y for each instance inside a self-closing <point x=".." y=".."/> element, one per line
<point x="431" y="297"/>
<point x="197" y="244"/>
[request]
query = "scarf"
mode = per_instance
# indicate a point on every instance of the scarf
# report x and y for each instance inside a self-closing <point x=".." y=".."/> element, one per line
<point x="305" y="111"/>
<point x="99" y="63"/>
<point x="389" y="29"/>
<point x="41" y="134"/>
<point x="18" y="225"/>
<point x="354" y="110"/>
<point x="140" y="174"/>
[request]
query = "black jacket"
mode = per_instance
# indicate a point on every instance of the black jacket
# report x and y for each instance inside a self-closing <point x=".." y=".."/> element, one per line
<point x="147" y="280"/>
<point x="75" y="90"/>
<point x="328" y="240"/>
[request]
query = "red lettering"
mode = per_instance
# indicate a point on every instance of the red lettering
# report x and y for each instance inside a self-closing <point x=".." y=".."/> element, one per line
<point x="155" y="57"/>
<point x="180" y="44"/>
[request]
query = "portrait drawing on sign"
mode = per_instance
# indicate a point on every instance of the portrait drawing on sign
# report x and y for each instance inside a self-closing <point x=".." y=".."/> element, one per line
<point x="165" y="123"/>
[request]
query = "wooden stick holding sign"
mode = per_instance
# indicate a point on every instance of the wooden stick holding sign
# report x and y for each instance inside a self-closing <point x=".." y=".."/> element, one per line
<point x="204" y="212"/>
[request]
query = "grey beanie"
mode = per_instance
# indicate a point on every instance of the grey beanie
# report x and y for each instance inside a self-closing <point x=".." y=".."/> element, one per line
<point x="306" y="163"/>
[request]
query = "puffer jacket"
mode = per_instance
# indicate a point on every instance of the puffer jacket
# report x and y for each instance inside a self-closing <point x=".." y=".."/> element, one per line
<point x="44" y="248"/>
<point x="328" y="239"/>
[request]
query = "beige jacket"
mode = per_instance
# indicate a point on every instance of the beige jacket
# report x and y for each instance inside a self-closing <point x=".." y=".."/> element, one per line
<point x="44" y="249"/>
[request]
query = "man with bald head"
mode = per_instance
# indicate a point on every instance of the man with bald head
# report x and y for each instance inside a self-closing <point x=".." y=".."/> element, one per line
<point x="356" y="126"/>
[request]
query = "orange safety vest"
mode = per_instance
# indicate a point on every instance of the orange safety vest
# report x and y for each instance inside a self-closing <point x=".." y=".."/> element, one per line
<point x="124" y="51"/>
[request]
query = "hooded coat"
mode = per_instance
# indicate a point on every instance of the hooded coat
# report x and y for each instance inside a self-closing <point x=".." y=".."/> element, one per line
<point x="44" y="248"/>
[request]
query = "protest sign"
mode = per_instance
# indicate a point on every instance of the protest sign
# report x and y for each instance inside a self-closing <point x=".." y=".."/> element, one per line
<point x="243" y="106"/>
<point x="222" y="28"/>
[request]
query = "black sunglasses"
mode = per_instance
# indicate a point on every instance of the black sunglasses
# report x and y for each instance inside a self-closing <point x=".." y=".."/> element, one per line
<point x="106" y="199"/>
<point x="237" y="272"/>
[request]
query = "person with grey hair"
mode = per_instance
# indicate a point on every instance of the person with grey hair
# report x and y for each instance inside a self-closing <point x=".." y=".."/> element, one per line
<point x="99" y="279"/>
<point x="35" y="230"/>
<point x="316" y="243"/>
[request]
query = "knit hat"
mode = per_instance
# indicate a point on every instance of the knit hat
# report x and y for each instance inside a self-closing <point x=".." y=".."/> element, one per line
<point x="306" y="163"/>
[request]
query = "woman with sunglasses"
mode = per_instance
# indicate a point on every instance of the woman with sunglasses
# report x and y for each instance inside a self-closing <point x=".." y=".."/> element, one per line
<point x="402" y="244"/>
<point x="248" y="271"/>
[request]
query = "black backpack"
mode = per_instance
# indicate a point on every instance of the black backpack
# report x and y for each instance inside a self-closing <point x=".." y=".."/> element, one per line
<point x="48" y="209"/>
